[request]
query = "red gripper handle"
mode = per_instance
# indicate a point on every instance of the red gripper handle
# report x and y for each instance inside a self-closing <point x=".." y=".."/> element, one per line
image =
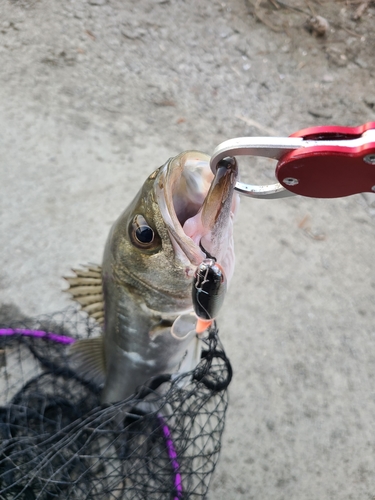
<point x="330" y="171"/>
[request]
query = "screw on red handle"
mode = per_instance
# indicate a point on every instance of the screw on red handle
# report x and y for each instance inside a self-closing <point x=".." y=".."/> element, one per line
<point x="330" y="171"/>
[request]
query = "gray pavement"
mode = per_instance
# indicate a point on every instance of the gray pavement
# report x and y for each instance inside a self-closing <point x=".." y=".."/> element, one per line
<point x="93" y="97"/>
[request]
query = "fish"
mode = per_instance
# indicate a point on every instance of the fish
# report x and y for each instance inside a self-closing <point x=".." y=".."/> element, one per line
<point x="141" y="294"/>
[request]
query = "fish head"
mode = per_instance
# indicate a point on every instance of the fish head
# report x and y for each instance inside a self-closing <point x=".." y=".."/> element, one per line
<point x="181" y="214"/>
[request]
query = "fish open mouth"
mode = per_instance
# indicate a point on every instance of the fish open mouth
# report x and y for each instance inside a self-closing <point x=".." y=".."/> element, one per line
<point x="198" y="207"/>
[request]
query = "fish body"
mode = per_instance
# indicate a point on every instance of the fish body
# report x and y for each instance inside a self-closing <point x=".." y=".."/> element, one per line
<point x="149" y="263"/>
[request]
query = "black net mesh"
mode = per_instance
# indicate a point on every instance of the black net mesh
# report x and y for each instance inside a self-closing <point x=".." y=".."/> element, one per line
<point x="58" y="442"/>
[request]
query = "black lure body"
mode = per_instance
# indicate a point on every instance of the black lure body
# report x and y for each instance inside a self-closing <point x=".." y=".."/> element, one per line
<point x="208" y="289"/>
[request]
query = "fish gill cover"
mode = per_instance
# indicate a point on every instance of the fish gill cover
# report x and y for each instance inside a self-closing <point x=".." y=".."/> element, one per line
<point x="59" y="442"/>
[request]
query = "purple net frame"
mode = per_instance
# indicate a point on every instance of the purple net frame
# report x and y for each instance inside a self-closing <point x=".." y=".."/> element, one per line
<point x="62" y="339"/>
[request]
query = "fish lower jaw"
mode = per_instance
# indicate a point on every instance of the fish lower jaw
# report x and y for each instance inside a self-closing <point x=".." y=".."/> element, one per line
<point x="187" y="252"/>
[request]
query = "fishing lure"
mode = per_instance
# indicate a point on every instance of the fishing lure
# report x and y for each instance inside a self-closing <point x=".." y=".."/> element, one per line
<point x="208" y="292"/>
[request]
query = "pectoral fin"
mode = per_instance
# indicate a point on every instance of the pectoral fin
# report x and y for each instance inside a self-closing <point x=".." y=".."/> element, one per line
<point x="184" y="326"/>
<point x="88" y="359"/>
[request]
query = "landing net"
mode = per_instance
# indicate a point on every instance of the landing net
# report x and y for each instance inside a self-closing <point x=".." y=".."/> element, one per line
<point x="58" y="442"/>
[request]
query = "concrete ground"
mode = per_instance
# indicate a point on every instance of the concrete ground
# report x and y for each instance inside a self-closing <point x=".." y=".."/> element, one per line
<point x="95" y="94"/>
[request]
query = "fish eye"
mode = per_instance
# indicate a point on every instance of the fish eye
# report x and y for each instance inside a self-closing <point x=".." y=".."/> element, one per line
<point x="142" y="234"/>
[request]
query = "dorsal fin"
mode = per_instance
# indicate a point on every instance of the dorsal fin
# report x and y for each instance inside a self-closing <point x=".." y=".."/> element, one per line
<point x="86" y="288"/>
